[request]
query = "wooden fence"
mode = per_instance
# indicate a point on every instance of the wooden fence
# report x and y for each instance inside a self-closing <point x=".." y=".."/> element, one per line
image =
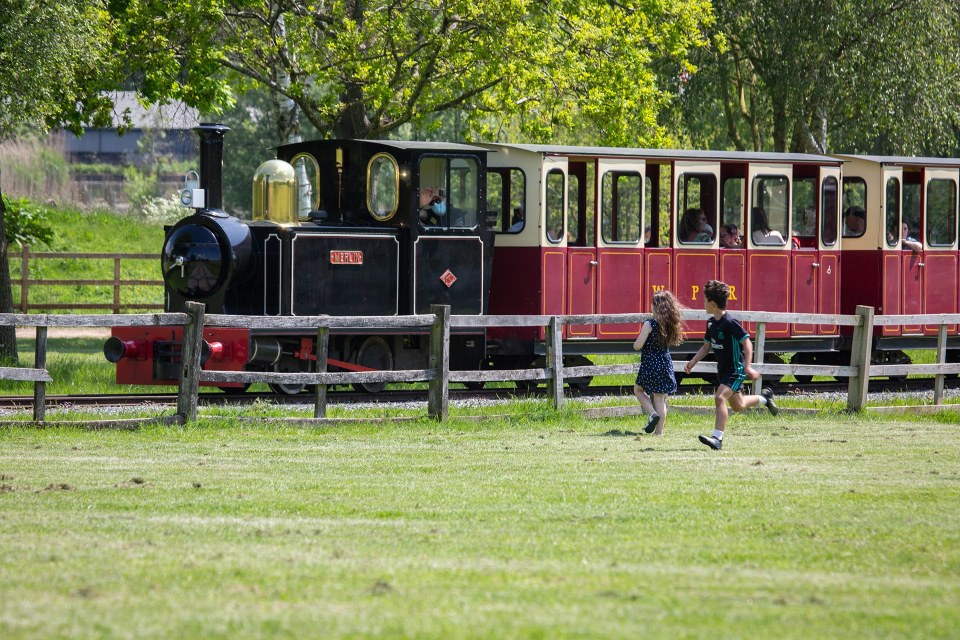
<point x="117" y="283"/>
<point x="438" y="374"/>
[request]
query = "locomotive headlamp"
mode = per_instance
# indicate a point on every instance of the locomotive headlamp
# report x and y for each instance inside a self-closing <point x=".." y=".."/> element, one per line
<point x="192" y="195"/>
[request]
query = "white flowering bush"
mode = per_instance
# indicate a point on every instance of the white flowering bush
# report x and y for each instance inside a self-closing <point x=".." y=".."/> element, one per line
<point x="163" y="210"/>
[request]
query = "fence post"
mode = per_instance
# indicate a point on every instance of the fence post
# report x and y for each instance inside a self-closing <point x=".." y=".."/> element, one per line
<point x="323" y="350"/>
<point x="555" y="360"/>
<point x="860" y="352"/>
<point x="116" y="284"/>
<point x="941" y="359"/>
<point x="438" y="396"/>
<point x="40" y="387"/>
<point x="758" y="353"/>
<point x="24" y="278"/>
<point x="190" y="363"/>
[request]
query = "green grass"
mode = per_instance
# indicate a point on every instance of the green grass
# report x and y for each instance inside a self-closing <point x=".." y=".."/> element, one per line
<point x="93" y="232"/>
<point x="536" y="526"/>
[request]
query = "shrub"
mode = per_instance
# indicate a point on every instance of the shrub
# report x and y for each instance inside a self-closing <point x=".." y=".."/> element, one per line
<point x="25" y="222"/>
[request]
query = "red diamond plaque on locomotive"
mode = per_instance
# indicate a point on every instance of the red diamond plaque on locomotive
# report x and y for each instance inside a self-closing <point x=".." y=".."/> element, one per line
<point x="346" y="257"/>
<point x="448" y="278"/>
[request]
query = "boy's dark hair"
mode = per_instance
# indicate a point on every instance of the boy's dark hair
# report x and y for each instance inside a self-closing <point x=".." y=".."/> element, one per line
<point x="717" y="292"/>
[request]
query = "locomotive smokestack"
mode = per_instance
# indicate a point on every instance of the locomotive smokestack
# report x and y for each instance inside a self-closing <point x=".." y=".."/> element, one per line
<point x="211" y="163"/>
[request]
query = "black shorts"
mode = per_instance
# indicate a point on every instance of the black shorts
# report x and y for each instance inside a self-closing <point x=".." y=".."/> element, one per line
<point x="733" y="380"/>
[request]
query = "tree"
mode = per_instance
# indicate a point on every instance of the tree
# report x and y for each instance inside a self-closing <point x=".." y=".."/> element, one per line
<point x="858" y="75"/>
<point x="50" y="55"/>
<point x="357" y="68"/>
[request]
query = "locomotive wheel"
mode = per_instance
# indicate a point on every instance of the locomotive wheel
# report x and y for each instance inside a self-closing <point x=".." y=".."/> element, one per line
<point x="374" y="353"/>
<point x="802" y="358"/>
<point x="289" y="365"/>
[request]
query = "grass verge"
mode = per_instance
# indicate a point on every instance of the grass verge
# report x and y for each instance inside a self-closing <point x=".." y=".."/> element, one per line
<point x="532" y="525"/>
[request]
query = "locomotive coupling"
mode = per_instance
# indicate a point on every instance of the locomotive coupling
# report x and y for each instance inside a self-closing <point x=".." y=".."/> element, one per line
<point x="115" y="349"/>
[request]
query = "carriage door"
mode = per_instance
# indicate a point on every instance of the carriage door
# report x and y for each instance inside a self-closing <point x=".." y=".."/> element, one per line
<point x="620" y="199"/>
<point x="939" y="244"/>
<point x="895" y="264"/>
<point x="769" y="272"/>
<point x="695" y="249"/>
<point x="828" y="272"/>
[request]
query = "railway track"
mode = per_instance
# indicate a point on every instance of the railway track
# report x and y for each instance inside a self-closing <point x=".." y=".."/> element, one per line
<point x="390" y="396"/>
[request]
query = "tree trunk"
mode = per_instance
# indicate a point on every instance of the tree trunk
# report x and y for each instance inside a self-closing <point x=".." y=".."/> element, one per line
<point x="8" y="334"/>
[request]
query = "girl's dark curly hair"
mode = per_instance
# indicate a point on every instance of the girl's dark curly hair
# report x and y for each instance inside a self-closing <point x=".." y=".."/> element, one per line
<point x="668" y="312"/>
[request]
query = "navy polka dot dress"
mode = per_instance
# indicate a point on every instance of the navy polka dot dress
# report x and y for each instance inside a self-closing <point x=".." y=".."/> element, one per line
<point x="656" y="365"/>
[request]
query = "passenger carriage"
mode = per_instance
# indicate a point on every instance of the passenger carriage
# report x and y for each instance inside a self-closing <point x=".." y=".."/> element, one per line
<point x="917" y="274"/>
<point x="582" y="248"/>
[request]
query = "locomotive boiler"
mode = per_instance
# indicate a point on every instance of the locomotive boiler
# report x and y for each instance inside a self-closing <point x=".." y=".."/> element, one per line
<point x="344" y="228"/>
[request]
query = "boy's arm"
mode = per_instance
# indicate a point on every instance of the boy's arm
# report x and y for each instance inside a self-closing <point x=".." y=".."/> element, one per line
<point x="748" y="359"/>
<point x="697" y="357"/>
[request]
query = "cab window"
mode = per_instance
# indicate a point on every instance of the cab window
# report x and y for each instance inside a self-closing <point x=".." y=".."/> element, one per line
<point x="449" y="192"/>
<point x="854" y="207"/>
<point x="828" y="211"/>
<point x="308" y="180"/>
<point x="383" y="187"/>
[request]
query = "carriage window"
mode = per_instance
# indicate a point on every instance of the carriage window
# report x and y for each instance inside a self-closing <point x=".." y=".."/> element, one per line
<point x="941" y="213"/>
<point x="697" y="210"/>
<point x="854" y="207"/>
<point x="383" y="186"/>
<point x="506" y="197"/>
<point x="308" y="178"/>
<point x="621" y="197"/>
<point x="573" y="208"/>
<point x="555" y="197"/>
<point x="770" y="210"/>
<point x="732" y="212"/>
<point x="828" y="211"/>
<point x="892" y="216"/>
<point x="449" y="192"/>
<point x="805" y="208"/>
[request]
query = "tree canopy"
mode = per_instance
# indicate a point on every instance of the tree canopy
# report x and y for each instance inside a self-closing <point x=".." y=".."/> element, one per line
<point x="357" y="68"/>
<point x="850" y="75"/>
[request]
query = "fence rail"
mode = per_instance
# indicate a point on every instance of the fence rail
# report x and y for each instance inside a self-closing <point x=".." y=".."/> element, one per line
<point x="438" y="375"/>
<point x="28" y="257"/>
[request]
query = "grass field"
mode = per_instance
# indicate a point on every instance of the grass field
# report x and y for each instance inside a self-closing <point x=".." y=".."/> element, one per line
<point x="524" y="525"/>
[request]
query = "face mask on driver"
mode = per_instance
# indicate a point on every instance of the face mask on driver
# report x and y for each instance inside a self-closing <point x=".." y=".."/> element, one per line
<point x="439" y="208"/>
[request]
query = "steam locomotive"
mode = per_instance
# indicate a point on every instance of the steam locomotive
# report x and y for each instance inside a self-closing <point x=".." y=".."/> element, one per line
<point x="339" y="228"/>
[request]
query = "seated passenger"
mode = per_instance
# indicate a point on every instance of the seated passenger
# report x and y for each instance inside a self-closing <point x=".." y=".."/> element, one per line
<point x="854" y="222"/>
<point x="730" y="237"/>
<point x="516" y="222"/>
<point x="694" y="227"/>
<point x="908" y="241"/>
<point x="762" y="233"/>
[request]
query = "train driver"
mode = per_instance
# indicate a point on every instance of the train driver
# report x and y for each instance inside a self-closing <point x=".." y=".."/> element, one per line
<point x="433" y="205"/>
<point x="908" y="241"/>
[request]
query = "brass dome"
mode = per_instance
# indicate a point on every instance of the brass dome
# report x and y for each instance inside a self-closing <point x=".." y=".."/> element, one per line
<point x="275" y="193"/>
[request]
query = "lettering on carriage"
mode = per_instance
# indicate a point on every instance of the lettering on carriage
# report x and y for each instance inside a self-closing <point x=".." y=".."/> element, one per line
<point x="694" y="291"/>
<point x="733" y="293"/>
<point x="346" y="257"/>
<point x="659" y="287"/>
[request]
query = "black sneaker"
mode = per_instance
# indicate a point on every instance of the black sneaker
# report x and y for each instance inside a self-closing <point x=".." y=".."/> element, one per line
<point x="652" y="423"/>
<point x="771" y="405"/>
<point x="713" y="443"/>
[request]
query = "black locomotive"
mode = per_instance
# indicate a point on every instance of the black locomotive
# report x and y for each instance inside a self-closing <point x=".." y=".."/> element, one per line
<point x="345" y="228"/>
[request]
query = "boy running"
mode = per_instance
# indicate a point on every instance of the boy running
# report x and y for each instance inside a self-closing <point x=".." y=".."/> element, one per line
<point x="733" y="350"/>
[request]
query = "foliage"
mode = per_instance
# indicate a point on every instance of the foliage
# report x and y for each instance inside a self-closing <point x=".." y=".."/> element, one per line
<point x="364" y="69"/>
<point x="26" y="223"/>
<point x="501" y="528"/>
<point x="161" y="211"/>
<point x="858" y="76"/>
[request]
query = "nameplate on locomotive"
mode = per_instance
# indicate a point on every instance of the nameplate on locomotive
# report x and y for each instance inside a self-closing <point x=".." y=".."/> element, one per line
<point x="346" y="257"/>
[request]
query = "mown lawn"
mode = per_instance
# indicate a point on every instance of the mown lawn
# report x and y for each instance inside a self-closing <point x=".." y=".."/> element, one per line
<point x="527" y="525"/>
